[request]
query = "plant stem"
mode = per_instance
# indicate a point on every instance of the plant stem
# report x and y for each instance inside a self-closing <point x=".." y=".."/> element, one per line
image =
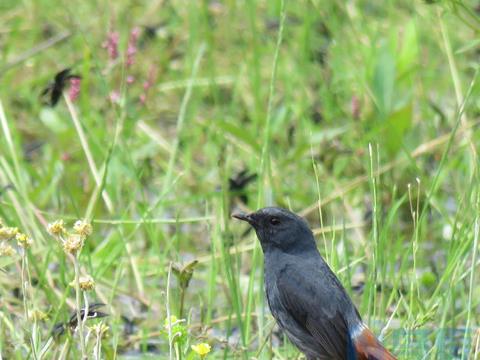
<point x="169" y="319"/>
<point x="25" y="283"/>
<point x="78" y="305"/>
<point x="182" y="301"/>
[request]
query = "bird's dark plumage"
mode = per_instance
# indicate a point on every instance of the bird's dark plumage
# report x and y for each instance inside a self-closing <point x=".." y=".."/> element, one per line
<point x="93" y="313"/>
<point x="53" y="91"/>
<point x="305" y="297"/>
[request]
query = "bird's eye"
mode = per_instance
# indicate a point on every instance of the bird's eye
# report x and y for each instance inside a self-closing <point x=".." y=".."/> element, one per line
<point x="274" y="221"/>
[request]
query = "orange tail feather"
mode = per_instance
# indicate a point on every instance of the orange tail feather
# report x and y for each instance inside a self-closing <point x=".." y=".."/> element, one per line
<point x="369" y="348"/>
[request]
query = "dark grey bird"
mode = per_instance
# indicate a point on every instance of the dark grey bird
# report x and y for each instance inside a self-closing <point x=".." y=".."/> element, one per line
<point x="53" y="91"/>
<point x="305" y="297"/>
<point x="93" y="313"/>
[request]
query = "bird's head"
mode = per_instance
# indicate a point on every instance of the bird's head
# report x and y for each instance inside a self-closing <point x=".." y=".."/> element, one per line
<point x="281" y="229"/>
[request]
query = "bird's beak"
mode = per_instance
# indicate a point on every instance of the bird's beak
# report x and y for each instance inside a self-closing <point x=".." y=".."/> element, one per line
<point x="245" y="217"/>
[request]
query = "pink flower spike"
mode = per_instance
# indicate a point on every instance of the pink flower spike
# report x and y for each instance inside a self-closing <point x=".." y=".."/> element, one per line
<point x="135" y="34"/>
<point x="111" y="44"/>
<point x="74" y="90"/>
<point x="355" y="107"/>
<point x="132" y="46"/>
<point x="147" y="84"/>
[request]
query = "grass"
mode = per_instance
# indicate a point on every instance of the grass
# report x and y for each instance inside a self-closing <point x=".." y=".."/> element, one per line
<point x="361" y="116"/>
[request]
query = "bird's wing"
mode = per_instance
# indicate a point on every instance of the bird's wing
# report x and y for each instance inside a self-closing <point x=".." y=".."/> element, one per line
<point x="317" y="301"/>
<point x="55" y="96"/>
<point x="62" y="75"/>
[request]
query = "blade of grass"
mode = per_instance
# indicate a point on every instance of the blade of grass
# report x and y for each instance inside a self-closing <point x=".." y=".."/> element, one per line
<point x="476" y="229"/>
<point x="18" y="181"/>
<point x="422" y="149"/>
<point x="181" y="119"/>
<point x="86" y="149"/>
<point x="264" y="172"/>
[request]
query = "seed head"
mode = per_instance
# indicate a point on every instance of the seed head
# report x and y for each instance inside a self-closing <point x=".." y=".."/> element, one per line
<point x="82" y="228"/>
<point x="8" y="233"/>
<point x="23" y="240"/>
<point x="73" y="244"/>
<point x="6" y="250"/>
<point x="57" y="228"/>
<point x="87" y="283"/>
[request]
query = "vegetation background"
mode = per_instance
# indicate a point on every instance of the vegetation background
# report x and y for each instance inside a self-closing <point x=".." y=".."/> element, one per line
<point x="360" y="115"/>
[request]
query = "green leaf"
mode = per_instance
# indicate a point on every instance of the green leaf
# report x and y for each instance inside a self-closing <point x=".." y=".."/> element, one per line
<point x="407" y="57"/>
<point x="384" y="81"/>
<point x="396" y="126"/>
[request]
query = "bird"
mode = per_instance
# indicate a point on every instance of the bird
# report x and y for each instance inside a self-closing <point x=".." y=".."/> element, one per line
<point x="93" y="313"/>
<point x="53" y="91"/>
<point x="305" y="297"/>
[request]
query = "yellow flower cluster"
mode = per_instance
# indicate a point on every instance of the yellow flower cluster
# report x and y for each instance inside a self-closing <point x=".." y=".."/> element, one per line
<point x="72" y="242"/>
<point x="86" y="283"/>
<point x="202" y="349"/>
<point x="57" y="228"/>
<point x="23" y="240"/>
<point x="6" y="250"/>
<point x="83" y="228"/>
<point x="8" y="233"/>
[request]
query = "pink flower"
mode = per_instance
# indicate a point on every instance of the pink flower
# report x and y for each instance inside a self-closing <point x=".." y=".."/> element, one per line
<point x="74" y="90"/>
<point x="111" y="44"/>
<point x="132" y="45"/>
<point x="130" y="79"/>
<point x="66" y="156"/>
<point x="356" y="107"/>
<point x="115" y="96"/>
<point x="147" y="84"/>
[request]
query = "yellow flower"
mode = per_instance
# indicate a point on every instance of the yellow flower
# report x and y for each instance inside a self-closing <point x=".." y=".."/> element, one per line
<point x="7" y="233"/>
<point x="202" y="349"/>
<point x="23" y="240"/>
<point x="56" y="228"/>
<point x="82" y="228"/>
<point x="73" y="244"/>
<point x="87" y="283"/>
<point x="6" y="250"/>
